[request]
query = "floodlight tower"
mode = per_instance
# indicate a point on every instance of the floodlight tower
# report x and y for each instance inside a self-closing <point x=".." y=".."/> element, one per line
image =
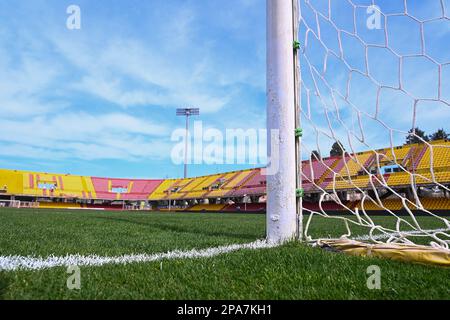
<point x="187" y="112"/>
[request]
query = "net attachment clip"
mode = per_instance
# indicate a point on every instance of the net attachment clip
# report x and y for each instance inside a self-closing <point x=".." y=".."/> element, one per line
<point x="298" y="132"/>
<point x="296" y="45"/>
<point x="299" y="193"/>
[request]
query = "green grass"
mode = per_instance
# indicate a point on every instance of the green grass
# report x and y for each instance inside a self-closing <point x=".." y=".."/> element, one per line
<point x="44" y="232"/>
<point x="293" y="271"/>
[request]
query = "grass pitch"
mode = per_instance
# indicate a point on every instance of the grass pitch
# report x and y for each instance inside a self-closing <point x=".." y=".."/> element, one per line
<point x="293" y="271"/>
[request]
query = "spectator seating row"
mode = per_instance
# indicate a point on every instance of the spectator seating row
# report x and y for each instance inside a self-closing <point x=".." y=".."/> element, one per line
<point x="422" y="164"/>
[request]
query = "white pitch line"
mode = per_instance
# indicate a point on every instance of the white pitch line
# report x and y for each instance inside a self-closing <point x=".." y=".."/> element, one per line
<point x="12" y="263"/>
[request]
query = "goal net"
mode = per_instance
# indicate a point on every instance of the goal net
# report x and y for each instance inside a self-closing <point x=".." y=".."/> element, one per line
<point x="374" y="92"/>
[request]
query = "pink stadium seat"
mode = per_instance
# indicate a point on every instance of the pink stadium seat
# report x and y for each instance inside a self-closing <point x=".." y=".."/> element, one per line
<point x="255" y="185"/>
<point x="141" y="189"/>
<point x="318" y="168"/>
<point x="136" y="189"/>
<point x="250" y="207"/>
<point x="327" y="206"/>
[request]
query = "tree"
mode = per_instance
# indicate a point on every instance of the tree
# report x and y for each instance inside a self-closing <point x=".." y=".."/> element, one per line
<point x="416" y="136"/>
<point x="439" y="135"/>
<point x="315" y="155"/>
<point x="337" y="149"/>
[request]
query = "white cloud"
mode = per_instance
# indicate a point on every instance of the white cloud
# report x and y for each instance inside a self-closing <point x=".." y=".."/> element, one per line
<point x="47" y="90"/>
<point x="84" y="136"/>
<point x="155" y="77"/>
<point x="22" y="83"/>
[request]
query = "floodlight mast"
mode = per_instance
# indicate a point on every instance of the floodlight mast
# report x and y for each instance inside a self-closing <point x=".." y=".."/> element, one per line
<point x="281" y="111"/>
<point x="187" y="112"/>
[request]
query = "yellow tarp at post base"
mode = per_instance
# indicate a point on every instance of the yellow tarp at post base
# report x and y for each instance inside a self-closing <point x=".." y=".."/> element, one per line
<point x="402" y="252"/>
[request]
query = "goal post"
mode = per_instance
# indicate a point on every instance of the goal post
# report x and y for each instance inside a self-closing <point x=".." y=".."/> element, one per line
<point x="281" y="181"/>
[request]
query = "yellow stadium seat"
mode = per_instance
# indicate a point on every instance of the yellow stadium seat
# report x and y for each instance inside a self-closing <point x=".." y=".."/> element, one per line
<point x="207" y="207"/>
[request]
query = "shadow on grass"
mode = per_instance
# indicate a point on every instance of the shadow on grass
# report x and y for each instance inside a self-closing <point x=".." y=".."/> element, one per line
<point x="180" y="229"/>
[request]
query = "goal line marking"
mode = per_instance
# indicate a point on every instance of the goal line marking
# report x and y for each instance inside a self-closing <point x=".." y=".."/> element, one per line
<point x="14" y="262"/>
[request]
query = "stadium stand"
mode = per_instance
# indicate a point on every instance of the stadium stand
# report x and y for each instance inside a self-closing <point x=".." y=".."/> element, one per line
<point x="162" y="190"/>
<point x="394" y="167"/>
<point x="59" y="205"/>
<point x="255" y="184"/>
<point x="200" y="187"/>
<point x="242" y="207"/>
<point x="237" y="181"/>
<point x="124" y="189"/>
<point x="439" y="155"/>
<point x="217" y="188"/>
<point x="327" y="206"/>
<point x="11" y="182"/>
<point x="433" y="204"/>
<point x="226" y="184"/>
<point x="207" y="207"/>
<point x="399" y="179"/>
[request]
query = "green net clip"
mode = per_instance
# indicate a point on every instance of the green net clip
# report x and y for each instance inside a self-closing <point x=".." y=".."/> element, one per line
<point x="298" y="132"/>
<point x="296" y="45"/>
<point x="299" y="193"/>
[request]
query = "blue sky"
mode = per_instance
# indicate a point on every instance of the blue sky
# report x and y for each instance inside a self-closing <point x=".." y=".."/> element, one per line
<point x="101" y="100"/>
<point x="371" y="82"/>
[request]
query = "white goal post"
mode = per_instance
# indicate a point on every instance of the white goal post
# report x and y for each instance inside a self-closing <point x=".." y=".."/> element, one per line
<point x="281" y="200"/>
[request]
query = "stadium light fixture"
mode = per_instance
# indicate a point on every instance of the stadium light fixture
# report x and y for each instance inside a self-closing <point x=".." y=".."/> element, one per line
<point x="187" y="112"/>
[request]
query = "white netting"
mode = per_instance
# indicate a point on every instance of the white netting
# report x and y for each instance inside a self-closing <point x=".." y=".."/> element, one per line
<point x="371" y="73"/>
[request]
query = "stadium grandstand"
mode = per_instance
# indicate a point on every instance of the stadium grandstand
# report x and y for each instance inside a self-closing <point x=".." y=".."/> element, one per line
<point x="245" y="191"/>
